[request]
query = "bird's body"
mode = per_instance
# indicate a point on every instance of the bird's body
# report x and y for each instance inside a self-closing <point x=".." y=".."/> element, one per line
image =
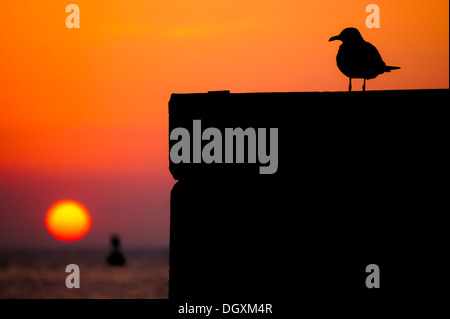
<point x="357" y="58"/>
<point x="360" y="61"/>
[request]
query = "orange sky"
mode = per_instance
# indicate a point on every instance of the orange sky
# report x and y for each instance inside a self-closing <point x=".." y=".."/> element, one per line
<point x="93" y="101"/>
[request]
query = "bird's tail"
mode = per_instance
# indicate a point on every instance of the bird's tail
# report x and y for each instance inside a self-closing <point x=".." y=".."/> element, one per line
<point x="389" y="68"/>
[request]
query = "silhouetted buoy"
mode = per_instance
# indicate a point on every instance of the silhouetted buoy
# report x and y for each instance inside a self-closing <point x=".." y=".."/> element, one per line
<point x="116" y="258"/>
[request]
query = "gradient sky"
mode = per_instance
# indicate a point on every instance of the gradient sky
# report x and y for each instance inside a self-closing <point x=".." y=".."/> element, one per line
<point x="84" y="112"/>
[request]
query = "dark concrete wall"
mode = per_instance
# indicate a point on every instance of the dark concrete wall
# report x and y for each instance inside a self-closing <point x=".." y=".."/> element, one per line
<point x="357" y="175"/>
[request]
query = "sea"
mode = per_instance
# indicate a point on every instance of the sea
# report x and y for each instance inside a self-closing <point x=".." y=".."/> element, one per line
<point x="41" y="274"/>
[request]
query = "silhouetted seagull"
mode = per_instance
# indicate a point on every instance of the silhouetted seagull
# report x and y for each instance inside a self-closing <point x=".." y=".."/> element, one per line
<point x="359" y="59"/>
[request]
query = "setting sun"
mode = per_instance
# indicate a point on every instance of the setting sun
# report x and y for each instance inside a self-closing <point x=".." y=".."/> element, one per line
<point x="68" y="220"/>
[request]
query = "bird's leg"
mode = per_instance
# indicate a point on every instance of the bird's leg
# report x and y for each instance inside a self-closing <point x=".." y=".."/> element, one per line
<point x="350" y="84"/>
<point x="364" y="85"/>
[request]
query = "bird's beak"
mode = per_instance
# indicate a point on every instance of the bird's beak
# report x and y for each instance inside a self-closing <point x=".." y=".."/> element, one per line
<point x="334" y="38"/>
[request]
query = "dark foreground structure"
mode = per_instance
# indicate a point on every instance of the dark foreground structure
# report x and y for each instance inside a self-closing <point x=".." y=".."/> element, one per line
<point x="358" y="183"/>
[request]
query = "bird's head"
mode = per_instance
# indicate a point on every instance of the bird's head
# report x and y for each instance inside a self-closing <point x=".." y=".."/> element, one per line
<point x="348" y="35"/>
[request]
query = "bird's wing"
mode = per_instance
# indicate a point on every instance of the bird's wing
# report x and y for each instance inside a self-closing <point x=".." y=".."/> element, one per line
<point x="373" y="58"/>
